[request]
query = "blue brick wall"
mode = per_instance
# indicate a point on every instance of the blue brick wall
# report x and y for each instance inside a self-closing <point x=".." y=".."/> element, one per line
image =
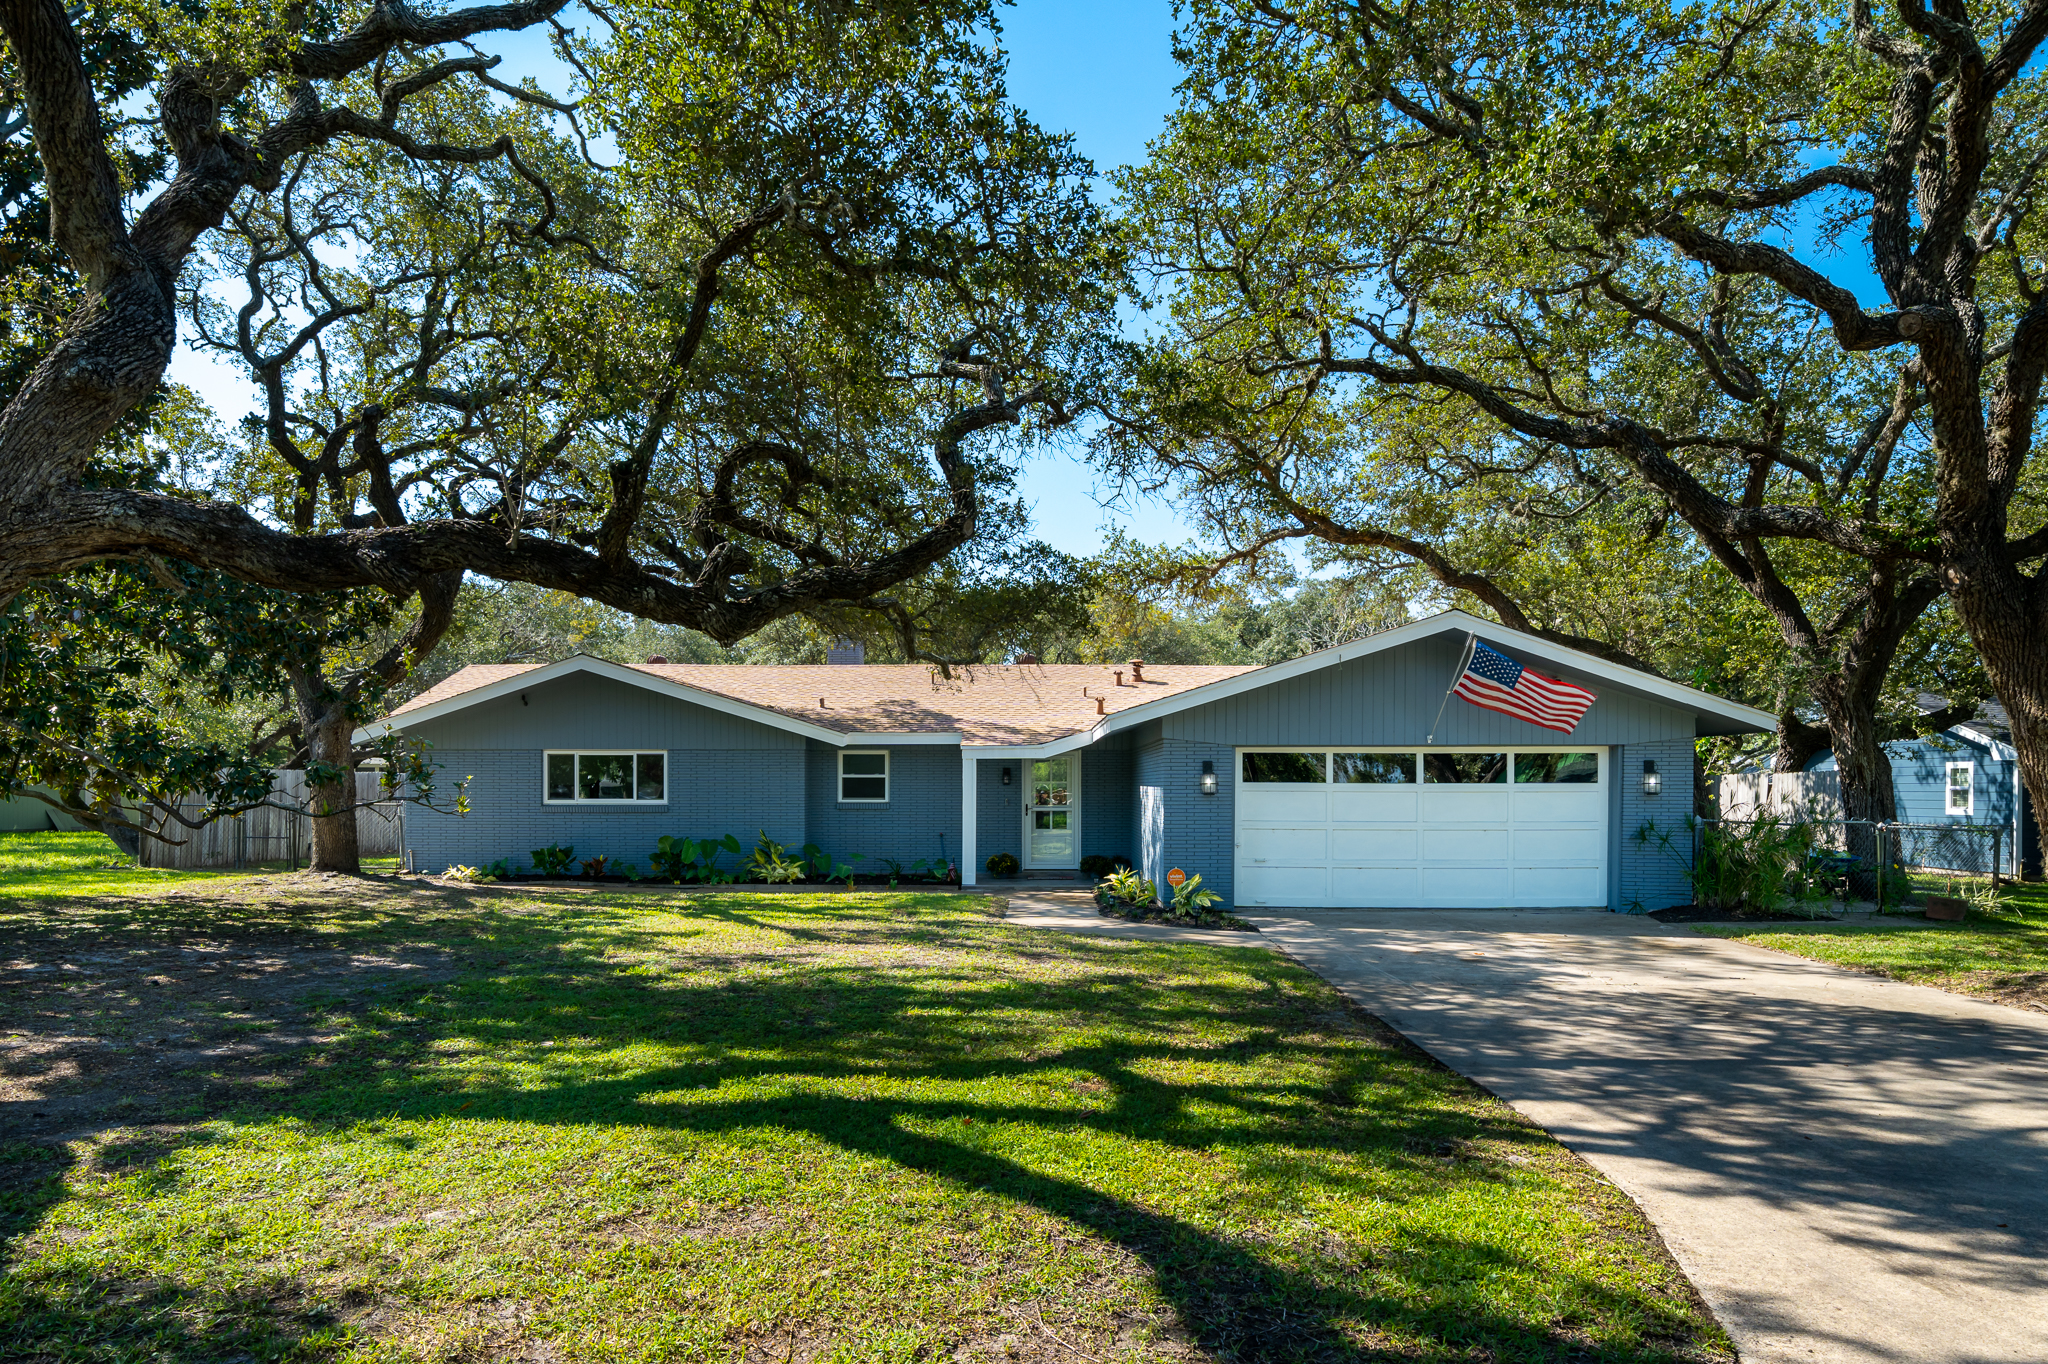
<point x="920" y="819"/>
<point x="998" y="818"/>
<point x="1178" y="826"/>
<point x="1650" y="876"/>
<point x="1107" y="774"/>
<point x="711" y="793"/>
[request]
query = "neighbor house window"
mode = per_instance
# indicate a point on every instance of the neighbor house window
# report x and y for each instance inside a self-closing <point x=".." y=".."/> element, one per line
<point x="1292" y="767"/>
<point x="1961" y="787"/>
<point x="607" y="778"/>
<point x="864" y="776"/>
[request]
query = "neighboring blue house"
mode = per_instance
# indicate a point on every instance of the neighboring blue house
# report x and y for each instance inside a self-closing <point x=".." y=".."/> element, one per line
<point x="1308" y="783"/>
<point x="1965" y="775"/>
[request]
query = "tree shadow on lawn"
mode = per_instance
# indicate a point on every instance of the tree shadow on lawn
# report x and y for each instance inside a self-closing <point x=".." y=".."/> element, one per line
<point x="1117" y="1014"/>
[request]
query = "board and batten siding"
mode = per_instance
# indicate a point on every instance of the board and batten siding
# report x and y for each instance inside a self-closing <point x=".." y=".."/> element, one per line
<point x="919" y="822"/>
<point x="726" y="775"/>
<point x="1392" y="698"/>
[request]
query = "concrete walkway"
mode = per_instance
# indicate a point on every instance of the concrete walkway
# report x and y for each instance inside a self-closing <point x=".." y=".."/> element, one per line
<point x="1849" y="1169"/>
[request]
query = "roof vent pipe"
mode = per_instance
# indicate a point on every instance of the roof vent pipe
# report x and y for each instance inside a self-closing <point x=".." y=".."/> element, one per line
<point x="656" y="658"/>
<point x="1119" y="677"/>
<point x="1137" y="670"/>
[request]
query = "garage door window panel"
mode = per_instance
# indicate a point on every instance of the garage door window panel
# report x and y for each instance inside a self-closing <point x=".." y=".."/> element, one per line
<point x="1557" y="769"/>
<point x="1293" y="768"/>
<point x="1465" y="769"/>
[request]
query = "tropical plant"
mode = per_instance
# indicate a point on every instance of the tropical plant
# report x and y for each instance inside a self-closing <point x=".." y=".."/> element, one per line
<point x="1759" y="866"/>
<point x="1190" y="900"/>
<point x="771" y="863"/>
<point x="468" y="874"/>
<point x="693" y="859"/>
<point x="553" y="860"/>
<point x="1126" y="887"/>
<point x="594" y="867"/>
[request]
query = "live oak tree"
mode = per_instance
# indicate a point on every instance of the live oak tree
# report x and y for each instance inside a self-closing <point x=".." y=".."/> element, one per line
<point x="1535" y="248"/>
<point x="753" y="358"/>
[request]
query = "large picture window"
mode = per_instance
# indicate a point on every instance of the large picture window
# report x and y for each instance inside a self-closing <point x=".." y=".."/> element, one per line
<point x="1962" y="788"/>
<point x="864" y="777"/>
<point x="606" y="778"/>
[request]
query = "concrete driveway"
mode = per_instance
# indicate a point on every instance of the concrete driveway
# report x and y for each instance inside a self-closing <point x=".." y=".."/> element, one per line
<point x="1848" y="1169"/>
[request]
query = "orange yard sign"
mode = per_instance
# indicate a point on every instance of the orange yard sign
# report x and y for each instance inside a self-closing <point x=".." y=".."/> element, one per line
<point x="1176" y="878"/>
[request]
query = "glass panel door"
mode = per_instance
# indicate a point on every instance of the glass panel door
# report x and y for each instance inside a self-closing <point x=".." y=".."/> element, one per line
<point x="1052" y="815"/>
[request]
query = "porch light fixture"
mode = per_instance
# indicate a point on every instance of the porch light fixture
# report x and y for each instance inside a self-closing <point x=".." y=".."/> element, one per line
<point x="1652" y="783"/>
<point x="1208" y="777"/>
<point x="1006" y="776"/>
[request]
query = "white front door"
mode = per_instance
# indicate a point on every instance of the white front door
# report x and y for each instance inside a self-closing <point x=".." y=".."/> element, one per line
<point x="1052" y="812"/>
<point x="1464" y="828"/>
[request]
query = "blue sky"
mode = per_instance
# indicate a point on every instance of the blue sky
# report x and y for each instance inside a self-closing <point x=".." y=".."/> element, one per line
<point x="1102" y="71"/>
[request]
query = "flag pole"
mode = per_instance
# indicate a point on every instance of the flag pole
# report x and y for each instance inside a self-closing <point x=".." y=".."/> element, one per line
<point x="1464" y="657"/>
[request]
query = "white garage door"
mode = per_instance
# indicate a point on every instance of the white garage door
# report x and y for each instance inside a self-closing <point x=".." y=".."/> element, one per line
<point x="1430" y="828"/>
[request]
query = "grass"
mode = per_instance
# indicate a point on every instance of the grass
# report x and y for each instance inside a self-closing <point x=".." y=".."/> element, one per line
<point x="296" y="1118"/>
<point x="2001" y="956"/>
<point x="42" y="864"/>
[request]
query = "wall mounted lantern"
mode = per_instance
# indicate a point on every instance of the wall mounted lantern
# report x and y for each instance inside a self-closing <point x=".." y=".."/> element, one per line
<point x="1208" y="777"/>
<point x="1006" y="776"/>
<point x="1652" y="783"/>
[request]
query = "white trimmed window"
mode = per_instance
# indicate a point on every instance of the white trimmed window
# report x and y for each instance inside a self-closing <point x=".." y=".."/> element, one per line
<point x="864" y="776"/>
<point x="1962" y="788"/>
<point x="605" y="778"/>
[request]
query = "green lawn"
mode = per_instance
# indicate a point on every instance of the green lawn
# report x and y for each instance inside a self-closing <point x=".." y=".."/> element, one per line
<point x="42" y="864"/>
<point x="2001" y="956"/>
<point x="304" y="1118"/>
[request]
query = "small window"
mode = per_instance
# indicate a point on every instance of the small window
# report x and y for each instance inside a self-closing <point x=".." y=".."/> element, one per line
<point x="864" y="776"/>
<point x="1465" y="769"/>
<point x="606" y="778"/>
<point x="1294" y="767"/>
<point x="1545" y="769"/>
<point x="1961" y="788"/>
<point x="1372" y="769"/>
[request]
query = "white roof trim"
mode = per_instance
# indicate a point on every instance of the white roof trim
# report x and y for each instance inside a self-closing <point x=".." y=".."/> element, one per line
<point x="2000" y="750"/>
<point x="633" y="677"/>
<point x="1676" y="694"/>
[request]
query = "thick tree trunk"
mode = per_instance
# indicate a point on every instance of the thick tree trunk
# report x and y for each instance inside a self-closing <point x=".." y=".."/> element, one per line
<point x="2011" y="636"/>
<point x="331" y="803"/>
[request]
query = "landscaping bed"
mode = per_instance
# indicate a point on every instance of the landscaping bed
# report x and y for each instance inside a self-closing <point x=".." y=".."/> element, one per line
<point x="319" y="1118"/>
<point x="1111" y="908"/>
<point x="1704" y="914"/>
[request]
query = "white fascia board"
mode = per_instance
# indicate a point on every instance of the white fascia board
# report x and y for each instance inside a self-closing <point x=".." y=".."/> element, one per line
<point x="1446" y="622"/>
<point x="896" y="739"/>
<point x="2000" y="751"/>
<point x="632" y="677"/>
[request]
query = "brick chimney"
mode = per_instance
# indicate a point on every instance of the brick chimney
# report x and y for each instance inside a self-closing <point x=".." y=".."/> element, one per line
<point x="847" y="651"/>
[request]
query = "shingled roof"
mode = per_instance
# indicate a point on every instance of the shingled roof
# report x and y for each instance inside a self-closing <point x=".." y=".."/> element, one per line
<point x="1028" y="703"/>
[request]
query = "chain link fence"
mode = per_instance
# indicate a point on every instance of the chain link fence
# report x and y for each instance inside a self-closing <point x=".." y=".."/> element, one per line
<point x="1765" y="860"/>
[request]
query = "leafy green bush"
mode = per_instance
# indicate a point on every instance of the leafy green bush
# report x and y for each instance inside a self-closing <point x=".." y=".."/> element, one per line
<point x="1190" y="901"/>
<point x="693" y="859"/>
<point x="1002" y="864"/>
<point x="1766" y="865"/>
<point x="1126" y="887"/>
<point x="1098" y="866"/>
<point x="771" y="863"/>
<point x="553" y="860"/>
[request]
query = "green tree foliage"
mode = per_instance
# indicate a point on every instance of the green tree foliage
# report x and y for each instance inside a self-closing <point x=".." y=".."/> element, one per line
<point x="1497" y="289"/>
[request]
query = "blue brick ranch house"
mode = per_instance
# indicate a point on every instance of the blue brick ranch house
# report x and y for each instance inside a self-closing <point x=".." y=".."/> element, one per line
<point x="1308" y="783"/>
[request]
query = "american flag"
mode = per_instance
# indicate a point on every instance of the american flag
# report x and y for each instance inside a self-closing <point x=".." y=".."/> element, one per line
<point x="1493" y="681"/>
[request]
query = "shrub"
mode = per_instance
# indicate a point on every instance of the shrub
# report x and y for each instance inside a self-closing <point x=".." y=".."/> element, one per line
<point x="1098" y="866"/>
<point x="553" y="860"/>
<point x="1126" y="887"/>
<point x="469" y="875"/>
<point x="1190" y="901"/>
<point x="593" y="867"/>
<point x="692" y="859"/>
<point x="773" y="865"/>
<point x="1002" y="864"/>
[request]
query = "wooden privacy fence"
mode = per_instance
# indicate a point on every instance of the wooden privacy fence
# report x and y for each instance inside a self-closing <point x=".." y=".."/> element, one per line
<point x="1813" y="795"/>
<point x="268" y="833"/>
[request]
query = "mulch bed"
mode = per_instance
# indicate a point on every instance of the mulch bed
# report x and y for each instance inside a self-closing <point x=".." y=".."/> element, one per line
<point x="1699" y="914"/>
<point x="1153" y="914"/>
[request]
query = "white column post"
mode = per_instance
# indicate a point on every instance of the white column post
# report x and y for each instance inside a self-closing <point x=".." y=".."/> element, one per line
<point x="969" y="859"/>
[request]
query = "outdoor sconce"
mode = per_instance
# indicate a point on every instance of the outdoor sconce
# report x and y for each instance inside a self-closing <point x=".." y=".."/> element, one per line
<point x="1208" y="777"/>
<point x="1006" y="776"/>
<point x="1652" y="783"/>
